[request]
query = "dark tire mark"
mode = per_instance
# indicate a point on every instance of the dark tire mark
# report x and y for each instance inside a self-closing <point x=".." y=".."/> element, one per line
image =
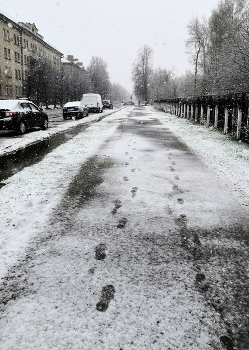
<point x="106" y="296"/>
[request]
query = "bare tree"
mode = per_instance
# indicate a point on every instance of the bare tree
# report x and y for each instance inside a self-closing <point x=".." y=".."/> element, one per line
<point x="197" y="44"/>
<point x="99" y="76"/>
<point x="142" y="73"/>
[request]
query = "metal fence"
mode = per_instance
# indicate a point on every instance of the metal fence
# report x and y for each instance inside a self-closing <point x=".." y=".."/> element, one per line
<point x="227" y="113"/>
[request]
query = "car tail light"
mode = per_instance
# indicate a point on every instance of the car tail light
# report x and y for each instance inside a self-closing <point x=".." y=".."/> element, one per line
<point x="10" y="114"/>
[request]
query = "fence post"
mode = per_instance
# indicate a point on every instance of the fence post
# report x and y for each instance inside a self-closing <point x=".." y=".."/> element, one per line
<point x="239" y="122"/>
<point x="208" y="115"/>
<point x="226" y="121"/>
<point x="201" y="114"/>
<point x="196" y="113"/>
<point x="191" y="111"/>
<point x="216" y="112"/>
<point x="179" y="109"/>
<point x="187" y="111"/>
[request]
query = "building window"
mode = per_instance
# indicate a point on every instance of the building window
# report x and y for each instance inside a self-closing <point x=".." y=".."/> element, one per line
<point x="8" y="72"/>
<point x="6" y="35"/>
<point x="0" y="90"/>
<point x="6" y="53"/>
<point x="25" y="44"/>
<point x="17" y="57"/>
<point x="18" y="74"/>
<point x="15" y="39"/>
<point x="8" y="90"/>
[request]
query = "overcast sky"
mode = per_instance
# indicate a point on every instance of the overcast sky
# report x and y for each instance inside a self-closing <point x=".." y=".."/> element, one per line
<point x="114" y="29"/>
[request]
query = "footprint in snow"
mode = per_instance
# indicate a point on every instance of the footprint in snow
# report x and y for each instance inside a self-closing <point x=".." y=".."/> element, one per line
<point x="134" y="191"/>
<point x="100" y="251"/>
<point x="117" y="206"/>
<point x="122" y="223"/>
<point x="106" y="296"/>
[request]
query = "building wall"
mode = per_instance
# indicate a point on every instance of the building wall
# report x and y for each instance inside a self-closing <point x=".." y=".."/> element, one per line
<point x="18" y="43"/>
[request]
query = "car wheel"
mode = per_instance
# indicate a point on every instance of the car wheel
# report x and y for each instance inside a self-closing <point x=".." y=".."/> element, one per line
<point x="21" y="128"/>
<point x="66" y="117"/>
<point x="45" y="124"/>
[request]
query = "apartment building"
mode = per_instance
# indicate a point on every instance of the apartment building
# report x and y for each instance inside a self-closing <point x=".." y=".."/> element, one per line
<point x="19" y="44"/>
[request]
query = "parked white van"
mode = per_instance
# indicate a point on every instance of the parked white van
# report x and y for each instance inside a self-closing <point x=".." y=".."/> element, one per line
<point x="93" y="102"/>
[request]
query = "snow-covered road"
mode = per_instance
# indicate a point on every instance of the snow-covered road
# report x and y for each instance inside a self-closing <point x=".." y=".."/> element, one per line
<point x="126" y="219"/>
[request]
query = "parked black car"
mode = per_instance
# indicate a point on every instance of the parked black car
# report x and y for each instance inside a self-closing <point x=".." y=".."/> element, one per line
<point x="74" y="110"/>
<point x="21" y="115"/>
<point x="107" y="104"/>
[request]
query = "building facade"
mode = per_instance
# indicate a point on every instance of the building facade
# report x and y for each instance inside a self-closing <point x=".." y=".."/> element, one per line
<point x="75" y="79"/>
<point x="21" y="45"/>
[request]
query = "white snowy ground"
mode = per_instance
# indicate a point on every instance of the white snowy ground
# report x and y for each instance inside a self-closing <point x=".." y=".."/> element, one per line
<point x="31" y="195"/>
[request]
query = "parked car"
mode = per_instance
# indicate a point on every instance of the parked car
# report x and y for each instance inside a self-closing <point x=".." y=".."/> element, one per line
<point x="74" y="109"/>
<point x="21" y="115"/>
<point x="93" y="102"/>
<point x="107" y="104"/>
<point x="127" y="102"/>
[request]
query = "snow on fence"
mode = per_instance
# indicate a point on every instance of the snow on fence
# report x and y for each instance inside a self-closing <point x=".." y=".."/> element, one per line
<point x="228" y="113"/>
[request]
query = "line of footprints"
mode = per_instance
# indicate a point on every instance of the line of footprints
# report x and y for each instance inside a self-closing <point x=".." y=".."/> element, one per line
<point x="108" y="291"/>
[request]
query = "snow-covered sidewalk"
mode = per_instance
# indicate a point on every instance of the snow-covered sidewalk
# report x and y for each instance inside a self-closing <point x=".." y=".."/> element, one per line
<point x="228" y="158"/>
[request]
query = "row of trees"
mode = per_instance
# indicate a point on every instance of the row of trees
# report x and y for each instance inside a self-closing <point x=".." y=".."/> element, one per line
<point x="47" y="84"/>
<point x="218" y="48"/>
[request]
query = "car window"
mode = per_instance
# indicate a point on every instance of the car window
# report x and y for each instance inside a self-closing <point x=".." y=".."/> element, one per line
<point x="25" y="105"/>
<point x="34" y="108"/>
